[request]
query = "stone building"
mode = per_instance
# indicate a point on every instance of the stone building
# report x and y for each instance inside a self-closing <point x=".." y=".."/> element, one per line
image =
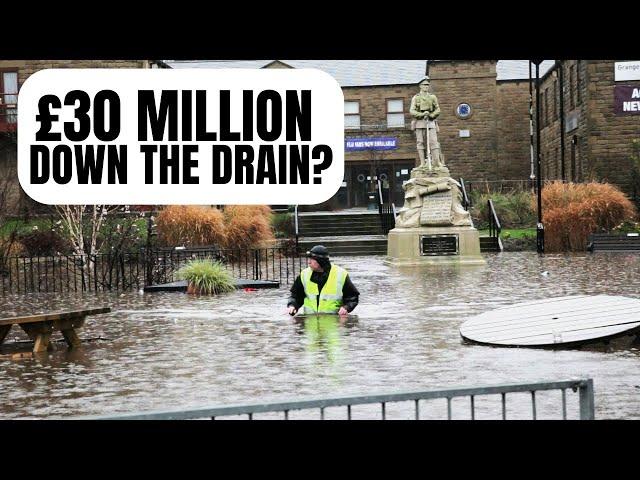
<point x="589" y="118"/>
<point x="13" y="73"/>
<point x="484" y="125"/>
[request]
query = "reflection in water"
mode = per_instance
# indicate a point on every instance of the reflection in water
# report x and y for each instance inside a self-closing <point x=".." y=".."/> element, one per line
<point x="170" y="350"/>
<point x="325" y="335"/>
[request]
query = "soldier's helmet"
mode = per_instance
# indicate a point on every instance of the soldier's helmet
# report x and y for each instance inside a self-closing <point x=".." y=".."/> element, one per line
<point x="425" y="80"/>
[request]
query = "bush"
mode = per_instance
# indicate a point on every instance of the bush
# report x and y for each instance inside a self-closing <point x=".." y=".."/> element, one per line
<point x="282" y="225"/>
<point x="206" y="276"/>
<point x="247" y="226"/>
<point x="190" y="225"/>
<point x="43" y="243"/>
<point x="514" y="209"/>
<point x="571" y="212"/>
<point x="122" y="234"/>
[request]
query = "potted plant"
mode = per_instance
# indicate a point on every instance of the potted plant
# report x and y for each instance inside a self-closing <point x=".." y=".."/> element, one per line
<point x="205" y="276"/>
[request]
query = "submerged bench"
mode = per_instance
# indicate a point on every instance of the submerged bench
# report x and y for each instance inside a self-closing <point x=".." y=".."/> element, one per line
<point x="40" y="327"/>
<point x="608" y="242"/>
<point x="182" y="285"/>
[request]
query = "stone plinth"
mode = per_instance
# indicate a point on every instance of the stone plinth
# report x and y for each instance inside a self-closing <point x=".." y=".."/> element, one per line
<point x="418" y="246"/>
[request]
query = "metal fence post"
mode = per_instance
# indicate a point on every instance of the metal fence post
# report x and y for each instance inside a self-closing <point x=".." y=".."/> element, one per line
<point x="255" y="264"/>
<point x="587" y="405"/>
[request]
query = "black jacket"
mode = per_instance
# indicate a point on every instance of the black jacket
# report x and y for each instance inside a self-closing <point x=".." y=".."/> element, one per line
<point x="350" y="294"/>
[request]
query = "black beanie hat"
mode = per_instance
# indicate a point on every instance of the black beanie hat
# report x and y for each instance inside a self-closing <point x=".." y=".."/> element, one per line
<point x="321" y="254"/>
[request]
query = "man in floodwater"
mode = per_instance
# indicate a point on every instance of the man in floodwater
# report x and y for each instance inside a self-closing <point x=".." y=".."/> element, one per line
<point x="322" y="287"/>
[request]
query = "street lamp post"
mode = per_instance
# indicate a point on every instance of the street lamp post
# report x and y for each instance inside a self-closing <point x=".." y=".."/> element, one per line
<point x="540" y="226"/>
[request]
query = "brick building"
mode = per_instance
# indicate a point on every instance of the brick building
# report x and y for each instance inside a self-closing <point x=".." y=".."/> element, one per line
<point x="488" y="139"/>
<point x="583" y="135"/>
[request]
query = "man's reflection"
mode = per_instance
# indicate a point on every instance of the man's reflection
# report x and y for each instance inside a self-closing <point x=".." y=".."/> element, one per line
<point x="325" y="333"/>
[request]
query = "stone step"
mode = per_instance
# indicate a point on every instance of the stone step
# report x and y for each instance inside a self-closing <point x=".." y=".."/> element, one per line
<point x="307" y="223"/>
<point x="343" y="234"/>
<point x="341" y="252"/>
<point x="341" y="224"/>
<point x="326" y="232"/>
<point x="489" y="244"/>
<point x="319" y="215"/>
<point x="362" y="253"/>
<point x="348" y="245"/>
<point x="345" y="246"/>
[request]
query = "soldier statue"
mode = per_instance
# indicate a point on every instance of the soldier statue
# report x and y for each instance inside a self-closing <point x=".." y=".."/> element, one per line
<point x="425" y="110"/>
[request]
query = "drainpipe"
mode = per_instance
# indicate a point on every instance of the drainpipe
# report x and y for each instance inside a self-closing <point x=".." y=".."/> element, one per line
<point x="532" y="176"/>
<point x="540" y="226"/>
<point x="561" y="87"/>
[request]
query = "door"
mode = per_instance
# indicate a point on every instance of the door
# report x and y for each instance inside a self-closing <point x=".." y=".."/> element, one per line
<point x="359" y="185"/>
<point x="401" y="173"/>
<point x="385" y="174"/>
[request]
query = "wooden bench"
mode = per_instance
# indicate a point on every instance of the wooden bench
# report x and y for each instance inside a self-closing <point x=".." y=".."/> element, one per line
<point x="608" y="242"/>
<point x="40" y="327"/>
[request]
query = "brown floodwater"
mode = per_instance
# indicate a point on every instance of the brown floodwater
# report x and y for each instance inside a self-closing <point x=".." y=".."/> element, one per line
<point x="171" y="351"/>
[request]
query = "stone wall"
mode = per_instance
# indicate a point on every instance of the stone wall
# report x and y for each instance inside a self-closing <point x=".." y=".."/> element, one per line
<point x="472" y="82"/>
<point x="513" y="130"/>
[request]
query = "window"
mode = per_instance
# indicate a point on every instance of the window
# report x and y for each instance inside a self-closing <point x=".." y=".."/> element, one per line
<point x="578" y="83"/>
<point x="555" y="99"/>
<point x="545" y="110"/>
<point x="352" y="114"/>
<point x="395" y="113"/>
<point x="8" y="97"/>
<point x="572" y="87"/>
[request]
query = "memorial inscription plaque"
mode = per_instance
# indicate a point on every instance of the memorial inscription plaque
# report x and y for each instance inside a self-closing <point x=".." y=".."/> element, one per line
<point x="441" y="244"/>
<point x="436" y="209"/>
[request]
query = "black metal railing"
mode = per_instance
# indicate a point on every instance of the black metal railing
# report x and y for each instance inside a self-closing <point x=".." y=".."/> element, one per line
<point x="465" y="198"/>
<point x="494" y="223"/>
<point x="127" y="271"/>
<point x="386" y="212"/>
<point x="296" y="225"/>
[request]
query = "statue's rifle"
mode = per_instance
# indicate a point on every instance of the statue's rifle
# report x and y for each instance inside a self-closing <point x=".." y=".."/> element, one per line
<point x="428" y="143"/>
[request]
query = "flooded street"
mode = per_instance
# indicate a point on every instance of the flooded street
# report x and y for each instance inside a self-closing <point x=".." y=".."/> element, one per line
<point x="167" y="351"/>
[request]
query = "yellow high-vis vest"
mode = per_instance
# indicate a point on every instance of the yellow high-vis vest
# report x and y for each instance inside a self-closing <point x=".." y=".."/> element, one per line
<point x="331" y="296"/>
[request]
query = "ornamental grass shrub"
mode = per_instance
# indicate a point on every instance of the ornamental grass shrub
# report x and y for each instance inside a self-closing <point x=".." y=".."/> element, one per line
<point x="573" y="211"/>
<point x="514" y="209"/>
<point x="190" y="225"/>
<point x="205" y="276"/>
<point x="247" y="226"/>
